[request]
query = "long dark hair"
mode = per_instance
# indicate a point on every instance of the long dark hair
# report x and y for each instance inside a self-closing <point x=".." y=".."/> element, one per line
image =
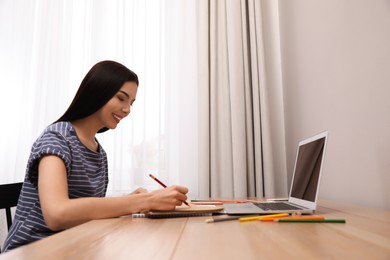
<point x="100" y="84"/>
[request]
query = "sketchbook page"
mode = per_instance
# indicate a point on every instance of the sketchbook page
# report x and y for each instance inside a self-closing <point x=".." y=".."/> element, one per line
<point x="182" y="211"/>
<point x="199" y="208"/>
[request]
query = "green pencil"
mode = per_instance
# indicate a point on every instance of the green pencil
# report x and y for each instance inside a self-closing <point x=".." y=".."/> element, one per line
<point x="311" y="220"/>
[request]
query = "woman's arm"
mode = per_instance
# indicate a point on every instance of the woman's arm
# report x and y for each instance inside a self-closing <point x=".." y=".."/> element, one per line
<point x="60" y="212"/>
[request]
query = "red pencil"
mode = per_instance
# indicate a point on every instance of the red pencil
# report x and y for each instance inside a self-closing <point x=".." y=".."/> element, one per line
<point x="162" y="184"/>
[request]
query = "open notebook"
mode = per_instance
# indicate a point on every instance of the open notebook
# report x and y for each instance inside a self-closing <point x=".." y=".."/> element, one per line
<point x="304" y="185"/>
<point x="182" y="211"/>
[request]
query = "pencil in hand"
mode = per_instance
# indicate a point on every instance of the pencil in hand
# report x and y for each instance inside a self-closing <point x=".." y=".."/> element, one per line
<point x="162" y="184"/>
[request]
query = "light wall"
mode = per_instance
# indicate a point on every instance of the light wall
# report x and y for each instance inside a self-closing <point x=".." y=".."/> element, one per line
<point x="336" y="77"/>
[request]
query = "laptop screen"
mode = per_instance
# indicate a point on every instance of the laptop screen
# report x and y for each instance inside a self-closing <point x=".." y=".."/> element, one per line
<point x="307" y="170"/>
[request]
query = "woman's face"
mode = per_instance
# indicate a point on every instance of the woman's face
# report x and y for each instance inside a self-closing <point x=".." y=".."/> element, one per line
<point x="119" y="106"/>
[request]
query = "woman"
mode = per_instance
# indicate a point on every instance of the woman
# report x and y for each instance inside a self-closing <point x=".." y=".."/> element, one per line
<point x="67" y="176"/>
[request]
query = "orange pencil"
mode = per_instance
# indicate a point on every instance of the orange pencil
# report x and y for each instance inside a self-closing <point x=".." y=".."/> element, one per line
<point x="162" y="184"/>
<point x="296" y="218"/>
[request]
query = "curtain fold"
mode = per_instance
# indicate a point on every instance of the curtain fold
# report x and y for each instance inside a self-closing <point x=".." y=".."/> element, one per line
<point x="241" y="119"/>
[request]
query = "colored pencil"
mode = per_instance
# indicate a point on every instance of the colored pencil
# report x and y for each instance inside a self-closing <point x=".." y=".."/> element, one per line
<point x="263" y="216"/>
<point x="310" y="220"/>
<point x="220" y="219"/>
<point x="295" y="217"/>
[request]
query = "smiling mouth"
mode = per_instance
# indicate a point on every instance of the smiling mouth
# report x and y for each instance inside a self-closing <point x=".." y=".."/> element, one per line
<point x="117" y="118"/>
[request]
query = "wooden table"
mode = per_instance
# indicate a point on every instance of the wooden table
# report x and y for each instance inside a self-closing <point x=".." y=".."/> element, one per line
<point x="366" y="235"/>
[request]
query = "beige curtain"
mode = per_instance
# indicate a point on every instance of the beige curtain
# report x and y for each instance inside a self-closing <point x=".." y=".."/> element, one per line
<point x="241" y="118"/>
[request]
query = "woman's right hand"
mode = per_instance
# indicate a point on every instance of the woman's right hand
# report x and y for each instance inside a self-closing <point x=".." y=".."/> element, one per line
<point x="168" y="198"/>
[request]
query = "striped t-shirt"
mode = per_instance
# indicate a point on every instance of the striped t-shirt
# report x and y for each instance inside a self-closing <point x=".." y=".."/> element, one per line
<point x="87" y="176"/>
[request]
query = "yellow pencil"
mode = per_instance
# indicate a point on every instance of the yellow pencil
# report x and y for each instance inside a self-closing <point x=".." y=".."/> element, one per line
<point x="280" y="215"/>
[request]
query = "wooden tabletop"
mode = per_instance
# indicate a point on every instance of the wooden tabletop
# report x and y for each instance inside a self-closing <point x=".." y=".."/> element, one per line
<point x="366" y="235"/>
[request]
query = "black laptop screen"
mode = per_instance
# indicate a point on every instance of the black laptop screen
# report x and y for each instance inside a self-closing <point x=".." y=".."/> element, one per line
<point x="307" y="170"/>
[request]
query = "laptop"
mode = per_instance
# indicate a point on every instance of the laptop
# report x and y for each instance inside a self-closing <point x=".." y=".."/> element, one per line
<point x="304" y="185"/>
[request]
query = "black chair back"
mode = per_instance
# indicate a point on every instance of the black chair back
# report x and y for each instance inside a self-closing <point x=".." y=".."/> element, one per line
<point x="9" y="195"/>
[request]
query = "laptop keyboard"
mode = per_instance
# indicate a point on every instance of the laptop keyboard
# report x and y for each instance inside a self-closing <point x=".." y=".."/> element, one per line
<point x="276" y="206"/>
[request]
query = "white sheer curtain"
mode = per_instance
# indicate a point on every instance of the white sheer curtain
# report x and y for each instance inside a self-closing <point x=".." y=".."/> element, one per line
<point x="46" y="48"/>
